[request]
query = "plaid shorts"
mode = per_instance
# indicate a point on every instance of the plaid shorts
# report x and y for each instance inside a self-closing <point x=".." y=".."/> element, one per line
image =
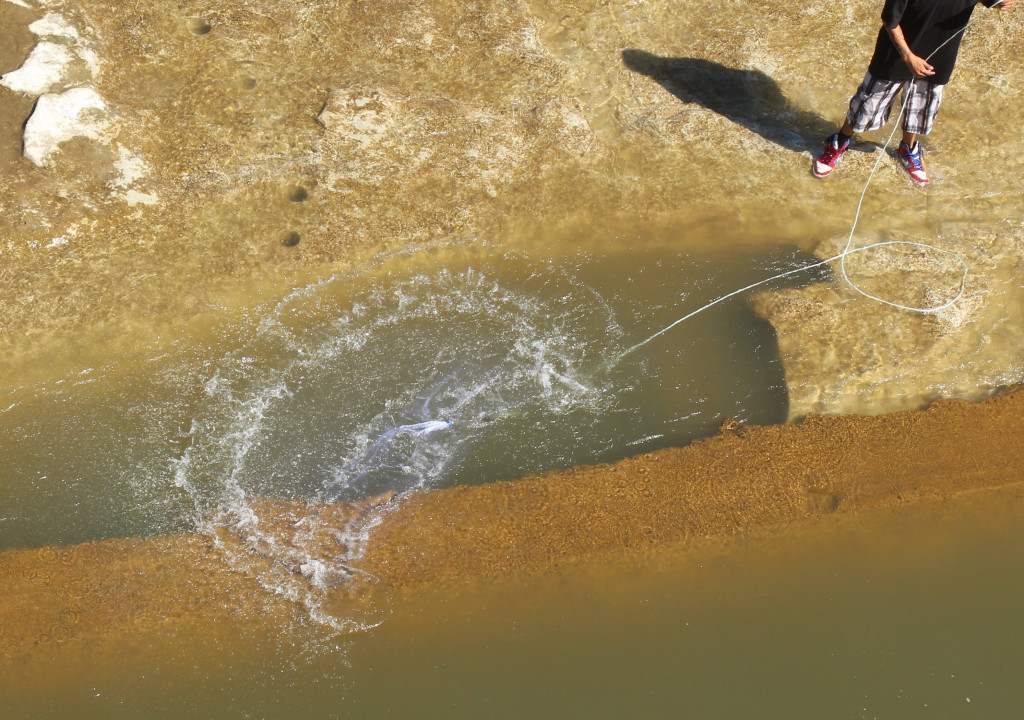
<point x="871" y="105"/>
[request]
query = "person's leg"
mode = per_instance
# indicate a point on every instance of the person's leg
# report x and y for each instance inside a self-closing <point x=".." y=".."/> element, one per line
<point x="909" y="119"/>
<point x="871" y="106"/>
<point x="869" y="109"/>
<point x="922" y="107"/>
<point x="846" y="130"/>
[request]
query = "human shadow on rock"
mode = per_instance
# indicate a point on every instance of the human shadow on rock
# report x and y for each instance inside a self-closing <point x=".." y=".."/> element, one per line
<point x="746" y="97"/>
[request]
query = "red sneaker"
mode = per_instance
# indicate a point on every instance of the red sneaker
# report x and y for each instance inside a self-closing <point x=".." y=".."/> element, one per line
<point x="910" y="159"/>
<point x="834" y="149"/>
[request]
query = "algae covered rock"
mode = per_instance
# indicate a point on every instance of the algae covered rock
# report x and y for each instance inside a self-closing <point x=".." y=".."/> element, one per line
<point x="438" y="153"/>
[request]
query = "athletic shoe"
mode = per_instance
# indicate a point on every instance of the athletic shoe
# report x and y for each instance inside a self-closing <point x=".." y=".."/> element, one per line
<point x="834" y="149"/>
<point x="910" y="159"/>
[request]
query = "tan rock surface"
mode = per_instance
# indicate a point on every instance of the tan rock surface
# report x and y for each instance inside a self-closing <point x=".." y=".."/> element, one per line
<point x="552" y="109"/>
<point x="844" y="353"/>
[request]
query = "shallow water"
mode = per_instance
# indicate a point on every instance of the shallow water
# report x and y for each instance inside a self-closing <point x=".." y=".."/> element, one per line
<point x="910" y="614"/>
<point x="313" y="397"/>
<point x="14" y="110"/>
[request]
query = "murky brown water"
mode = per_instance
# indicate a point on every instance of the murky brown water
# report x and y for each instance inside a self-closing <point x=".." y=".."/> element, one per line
<point x="911" y="614"/>
<point x="297" y="399"/>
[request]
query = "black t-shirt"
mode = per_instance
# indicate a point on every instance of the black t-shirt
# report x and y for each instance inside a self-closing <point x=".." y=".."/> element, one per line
<point x="926" y="25"/>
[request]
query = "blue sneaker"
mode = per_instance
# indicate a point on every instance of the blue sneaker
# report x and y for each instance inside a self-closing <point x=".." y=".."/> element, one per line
<point x="910" y="159"/>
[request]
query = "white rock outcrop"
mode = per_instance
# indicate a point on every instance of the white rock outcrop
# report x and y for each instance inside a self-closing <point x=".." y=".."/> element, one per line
<point x="58" y="71"/>
<point x="61" y="59"/>
<point x="53" y="25"/>
<point x="43" y="71"/>
<point x="130" y="169"/>
<point x="59" y="117"/>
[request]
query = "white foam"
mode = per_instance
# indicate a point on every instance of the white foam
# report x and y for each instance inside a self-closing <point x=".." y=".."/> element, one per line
<point x="413" y="373"/>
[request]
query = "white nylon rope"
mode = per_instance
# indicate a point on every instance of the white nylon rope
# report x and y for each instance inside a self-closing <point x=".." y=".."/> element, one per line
<point x="848" y="249"/>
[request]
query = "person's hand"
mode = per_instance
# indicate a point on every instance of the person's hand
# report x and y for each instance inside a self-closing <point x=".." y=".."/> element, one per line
<point x="918" y="65"/>
<point x="1006" y="5"/>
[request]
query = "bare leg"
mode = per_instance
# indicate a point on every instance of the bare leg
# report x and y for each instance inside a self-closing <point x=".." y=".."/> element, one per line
<point x="909" y="138"/>
<point x="847" y="130"/>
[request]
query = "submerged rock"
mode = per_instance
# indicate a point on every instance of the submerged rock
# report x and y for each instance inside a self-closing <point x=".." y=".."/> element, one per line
<point x="846" y="353"/>
<point x="62" y="602"/>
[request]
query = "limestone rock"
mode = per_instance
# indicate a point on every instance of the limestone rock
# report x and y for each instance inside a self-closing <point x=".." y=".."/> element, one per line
<point x="59" y="117"/>
<point x="131" y="169"/>
<point x="424" y="154"/>
<point x="44" y="70"/>
<point x="483" y="119"/>
<point x="375" y="137"/>
<point x="53" y="25"/>
<point x="62" y="59"/>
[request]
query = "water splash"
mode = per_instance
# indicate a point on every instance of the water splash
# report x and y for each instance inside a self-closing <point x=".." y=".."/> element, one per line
<point x="347" y="396"/>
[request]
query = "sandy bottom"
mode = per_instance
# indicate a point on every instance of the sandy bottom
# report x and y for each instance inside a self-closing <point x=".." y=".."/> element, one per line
<point x="97" y="601"/>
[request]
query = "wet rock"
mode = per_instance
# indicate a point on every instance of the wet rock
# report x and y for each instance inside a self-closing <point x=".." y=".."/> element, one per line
<point x="479" y="119"/>
<point x="376" y="139"/>
<point x="846" y="353"/>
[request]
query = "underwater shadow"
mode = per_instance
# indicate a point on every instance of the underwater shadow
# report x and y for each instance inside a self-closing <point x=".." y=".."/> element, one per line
<point x="746" y="97"/>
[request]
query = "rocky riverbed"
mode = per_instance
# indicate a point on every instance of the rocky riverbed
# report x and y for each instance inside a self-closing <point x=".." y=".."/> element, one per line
<point x="167" y="163"/>
<point x="175" y="156"/>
